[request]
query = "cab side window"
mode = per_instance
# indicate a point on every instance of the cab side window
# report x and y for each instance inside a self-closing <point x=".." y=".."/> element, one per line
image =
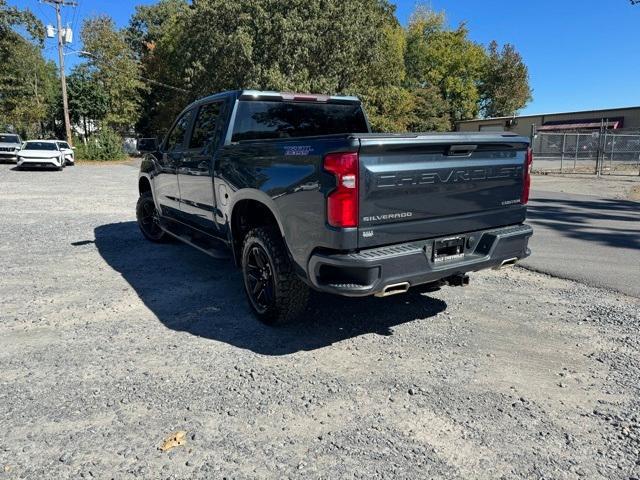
<point x="175" y="140"/>
<point x="206" y="127"/>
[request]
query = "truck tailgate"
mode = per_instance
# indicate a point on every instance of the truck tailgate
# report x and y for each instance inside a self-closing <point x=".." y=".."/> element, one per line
<point x="422" y="186"/>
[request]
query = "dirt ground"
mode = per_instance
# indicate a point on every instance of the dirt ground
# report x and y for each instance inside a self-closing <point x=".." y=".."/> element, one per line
<point x="109" y="344"/>
<point x="605" y="186"/>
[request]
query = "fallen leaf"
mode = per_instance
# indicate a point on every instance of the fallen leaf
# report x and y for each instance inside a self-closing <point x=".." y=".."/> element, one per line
<point x="174" y="440"/>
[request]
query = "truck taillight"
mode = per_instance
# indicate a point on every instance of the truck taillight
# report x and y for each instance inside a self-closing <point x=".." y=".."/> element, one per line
<point x="342" y="202"/>
<point x="526" y="186"/>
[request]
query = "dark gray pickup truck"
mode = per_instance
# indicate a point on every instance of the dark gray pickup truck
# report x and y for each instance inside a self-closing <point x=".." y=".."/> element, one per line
<point x="303" y="195"/>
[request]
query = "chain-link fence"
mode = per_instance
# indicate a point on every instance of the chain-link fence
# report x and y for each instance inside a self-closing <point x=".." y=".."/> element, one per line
<point x="606" y="152"/>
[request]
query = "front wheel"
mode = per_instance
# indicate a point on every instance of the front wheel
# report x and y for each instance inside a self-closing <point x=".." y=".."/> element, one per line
<point x="276" y="294"/>
<point x="148" y="219"/>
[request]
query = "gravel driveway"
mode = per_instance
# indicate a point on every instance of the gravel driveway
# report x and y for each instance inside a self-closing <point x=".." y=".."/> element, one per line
<point x="109" y="344"/>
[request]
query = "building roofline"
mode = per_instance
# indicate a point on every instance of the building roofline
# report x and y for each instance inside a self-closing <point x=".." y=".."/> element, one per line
<point x="548" y="114"/>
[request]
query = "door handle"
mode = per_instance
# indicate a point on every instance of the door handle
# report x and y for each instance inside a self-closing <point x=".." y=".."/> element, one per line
<point x="461" y="150"/>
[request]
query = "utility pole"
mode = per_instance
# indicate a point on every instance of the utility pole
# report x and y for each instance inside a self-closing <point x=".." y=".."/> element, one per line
<point x="58" y="4"/>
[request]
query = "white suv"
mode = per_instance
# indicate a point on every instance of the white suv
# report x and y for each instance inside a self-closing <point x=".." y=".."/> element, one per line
<point x="9" y="145"/>
<point x="67" y="150"/>
<point x="41" y="154"/>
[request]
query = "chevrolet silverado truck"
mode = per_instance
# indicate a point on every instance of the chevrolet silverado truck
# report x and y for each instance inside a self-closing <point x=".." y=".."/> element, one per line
<point x="301" y="195"/>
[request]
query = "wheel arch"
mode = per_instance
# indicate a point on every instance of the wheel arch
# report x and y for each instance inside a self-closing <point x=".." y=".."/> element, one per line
<point x="248" y="211"/>
<point x="144" y="185"/>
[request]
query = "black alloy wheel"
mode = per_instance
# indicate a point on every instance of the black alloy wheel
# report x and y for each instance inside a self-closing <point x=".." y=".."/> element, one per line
<point x="259" y="276"/>
<point x="148" y="218"/>
<point x="276" y="294"/>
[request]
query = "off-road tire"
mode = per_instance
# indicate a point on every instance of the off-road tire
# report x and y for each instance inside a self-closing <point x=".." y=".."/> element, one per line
<point x="290" y="293"/>
<point x="149" y="226"/>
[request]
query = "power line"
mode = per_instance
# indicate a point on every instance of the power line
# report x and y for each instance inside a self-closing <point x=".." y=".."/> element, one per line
<point x="149" y="80"/>
<point x="45" y="15"/>
<point x="76" y="18"/>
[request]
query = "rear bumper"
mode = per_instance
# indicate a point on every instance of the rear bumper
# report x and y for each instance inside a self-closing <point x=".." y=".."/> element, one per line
<point x="368" y="271"/>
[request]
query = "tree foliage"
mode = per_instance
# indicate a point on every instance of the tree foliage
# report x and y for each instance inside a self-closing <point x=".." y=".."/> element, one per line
<point x="113" y="66"/>
<point x="505" y="88"/>
<point x="27" y="81"/>
<point x="152" y="36"/>
<point x="424" y="76"/>
<point x="447" y="60"/>
<point x="104" y="146"/>
<point x="88" y="99"/>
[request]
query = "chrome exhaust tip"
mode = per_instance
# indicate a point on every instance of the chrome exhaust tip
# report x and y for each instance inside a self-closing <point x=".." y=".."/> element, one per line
<point x="394" y="289"/>
<point x="510" y="262"/>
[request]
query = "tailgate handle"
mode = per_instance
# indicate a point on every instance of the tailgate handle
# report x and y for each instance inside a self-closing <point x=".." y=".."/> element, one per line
<point x="461" y="150"/>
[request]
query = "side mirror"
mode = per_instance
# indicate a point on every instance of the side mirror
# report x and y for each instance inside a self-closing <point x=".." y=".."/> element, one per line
<point x="147" y="145"/>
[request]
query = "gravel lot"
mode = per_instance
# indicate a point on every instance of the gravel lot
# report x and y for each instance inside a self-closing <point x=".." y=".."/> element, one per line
<point x="108" y="344"/>
<point x="606" y="186"/>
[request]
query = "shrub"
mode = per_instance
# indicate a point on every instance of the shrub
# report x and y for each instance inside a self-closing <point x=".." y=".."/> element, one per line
<point x="104" y="146"/>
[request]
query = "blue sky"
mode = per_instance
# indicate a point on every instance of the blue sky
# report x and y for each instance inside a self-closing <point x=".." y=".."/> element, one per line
<point x="582" y="54"/>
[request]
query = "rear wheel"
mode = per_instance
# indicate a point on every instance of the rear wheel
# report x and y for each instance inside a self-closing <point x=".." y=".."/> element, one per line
<point x="276" y="294"/>
<point x="149" y="219"/>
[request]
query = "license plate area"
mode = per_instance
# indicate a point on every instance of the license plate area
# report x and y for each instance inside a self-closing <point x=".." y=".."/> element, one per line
<point x="448" y="249"/>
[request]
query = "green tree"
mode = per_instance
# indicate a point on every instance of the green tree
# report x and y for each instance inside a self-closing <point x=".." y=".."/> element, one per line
<point x="153" y="35"/>
<point x="12" y="17"/>
<point x="389" y="105"/>
<point x="149" y="24"/>
<point x="324" y="46"/>
<point x="430" y="112"/>
<point x="505" y="88"/>
<point x="113" y="65"/>
<point x="447" y="60"/>
<point x="26" y="79"/>
<point x="88" y="100"/>
<point x="424" y="77"/>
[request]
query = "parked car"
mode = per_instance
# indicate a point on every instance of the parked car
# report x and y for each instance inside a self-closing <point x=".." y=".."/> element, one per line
<point x="41" y="154"/>
<point x="148" y="144"/>
<point x="129" y="146"/>
<point x="303" y="195"/>
<point x="9" y="145"/>
<point x="67" y="150"/>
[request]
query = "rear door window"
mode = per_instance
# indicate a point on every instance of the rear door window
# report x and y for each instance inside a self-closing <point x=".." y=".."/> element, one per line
<point x="175" y="139"/>
<point x="206" y="127"/>
<point x="256" y="120"/>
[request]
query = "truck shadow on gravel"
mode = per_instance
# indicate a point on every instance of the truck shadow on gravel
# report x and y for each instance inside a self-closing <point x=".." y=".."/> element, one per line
<point x="191" y="292"/>
<point x="580" y="219"/>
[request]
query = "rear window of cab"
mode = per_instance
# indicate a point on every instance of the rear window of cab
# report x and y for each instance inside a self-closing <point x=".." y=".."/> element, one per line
<point x="261" y="120"/>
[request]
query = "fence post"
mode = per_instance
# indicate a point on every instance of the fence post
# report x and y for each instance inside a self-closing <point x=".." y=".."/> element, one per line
<point x="604" y="147"/>
<point x="613" y="152"/>
<point x="564" y="144"/>
<point x="575" y="159"/>
<point x="599" y="148"/>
